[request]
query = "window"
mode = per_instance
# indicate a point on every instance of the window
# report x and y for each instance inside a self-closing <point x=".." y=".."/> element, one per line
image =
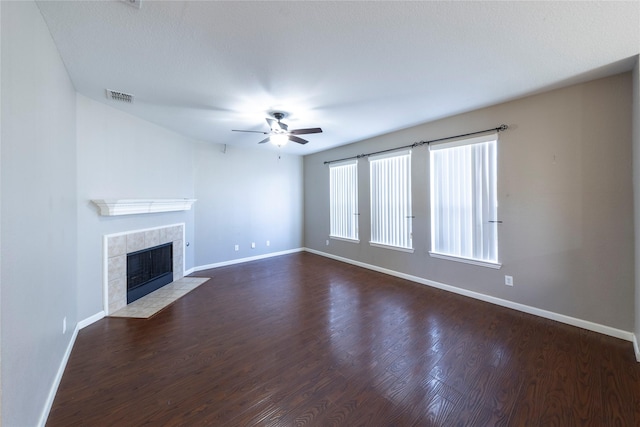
<point x="343" y="200"/>
<point x="464" y="204"/>
<point x="391" y="200"/>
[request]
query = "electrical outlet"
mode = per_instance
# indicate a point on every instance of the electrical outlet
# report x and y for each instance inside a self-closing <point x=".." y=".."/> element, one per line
<point x="237" y="248"/>
<point x="327" y="242"/>
<point x="64" y="325"/>
<point x="508" y="280"/>
<point x="253" y="245"/>
<point x="268" y="243"/>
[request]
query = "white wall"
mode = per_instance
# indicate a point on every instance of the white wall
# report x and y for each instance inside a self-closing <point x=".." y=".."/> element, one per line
<point x="565" y="199"/>
<point x="246" y="196"/>
<point x="123" y="157"/>
<point x="243" y="195"/>
<point x="38" y="213"/>
<point x="59" y="151"/>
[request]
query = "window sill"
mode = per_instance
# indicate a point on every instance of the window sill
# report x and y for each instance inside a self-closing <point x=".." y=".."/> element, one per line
<point x="487" y="264"/>
<point x="395" y="248"/>
<point x="345" y="239"/>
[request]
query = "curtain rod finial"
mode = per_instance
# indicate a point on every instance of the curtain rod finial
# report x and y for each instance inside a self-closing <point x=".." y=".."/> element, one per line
<point x="503" y="128"/>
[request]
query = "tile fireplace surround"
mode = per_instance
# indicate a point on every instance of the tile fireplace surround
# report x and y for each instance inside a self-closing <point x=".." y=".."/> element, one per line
<point x="116" y="246"/>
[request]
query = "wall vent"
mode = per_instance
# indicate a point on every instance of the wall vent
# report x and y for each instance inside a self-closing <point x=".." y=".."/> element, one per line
<point x="114" y="95"/>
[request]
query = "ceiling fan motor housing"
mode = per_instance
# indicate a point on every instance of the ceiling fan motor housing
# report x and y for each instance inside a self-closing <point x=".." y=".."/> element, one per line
<point x="279" y="132"/>
<point x="278" y="115"/>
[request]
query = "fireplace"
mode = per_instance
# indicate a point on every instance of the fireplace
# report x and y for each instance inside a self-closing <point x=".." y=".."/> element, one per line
<point x="116" y="248"/>
<point x="148" y="270"/>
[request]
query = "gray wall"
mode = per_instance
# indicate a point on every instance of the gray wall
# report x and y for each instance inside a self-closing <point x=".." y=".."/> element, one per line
<point x="124" y="157"/>
<point x="246" y="196"/>
<point x="565" y="196"/>
<point x="38" y="218"/>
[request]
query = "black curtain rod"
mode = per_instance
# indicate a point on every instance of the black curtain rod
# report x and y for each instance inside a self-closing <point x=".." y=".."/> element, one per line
<point x="500" y="128"/>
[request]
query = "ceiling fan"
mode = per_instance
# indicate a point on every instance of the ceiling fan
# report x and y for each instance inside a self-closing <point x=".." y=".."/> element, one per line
<point x="279" y="133"/>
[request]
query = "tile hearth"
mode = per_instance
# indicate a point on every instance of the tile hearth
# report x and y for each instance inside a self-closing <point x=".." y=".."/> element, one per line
<point x="152" y="303"/>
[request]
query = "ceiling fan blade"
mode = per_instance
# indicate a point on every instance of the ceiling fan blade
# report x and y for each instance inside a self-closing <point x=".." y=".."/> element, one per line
<point x="264" y="140"/>
<point x="276" y="125"/>
<point x="252" y="131"/>
<point x="272" y="123"/>
<point x="298" y="140"/>
<point x="303" y="131"/>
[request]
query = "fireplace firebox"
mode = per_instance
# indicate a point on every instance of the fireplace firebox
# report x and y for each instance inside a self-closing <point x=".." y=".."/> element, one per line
<point x="148" y="270"/>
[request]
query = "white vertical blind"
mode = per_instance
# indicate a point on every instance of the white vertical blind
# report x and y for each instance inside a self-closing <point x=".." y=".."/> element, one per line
<point x="391" y="222"/>
<point x="343" y="200"/>
<point x="464" y="199"/>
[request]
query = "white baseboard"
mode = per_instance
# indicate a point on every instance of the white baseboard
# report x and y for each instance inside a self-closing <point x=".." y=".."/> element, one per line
<point x="56" y="380"/>
<point x="241" y="260"/>
<point x="63" y="364"/>
<point x="585" y="324"/>
<point x="635" y="347"/>
<point x="91" y="319"/>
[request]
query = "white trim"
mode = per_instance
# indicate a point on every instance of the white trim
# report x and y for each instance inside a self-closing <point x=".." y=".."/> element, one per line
<point x="91" y="319"/>
<point x="184" y="249"/>
<point x="105" y="272"/>
<point x="113" y="207"/>
<point x="636" y="349"/>
<point x="345" y="239"/>
<point x="395" y="248"/>
<point x="189" y="271"/>
<point x="580" y="323"/>
<point x="44" y="415"/>
<point x="242" y="260"/>
<point x="488" y="264"/>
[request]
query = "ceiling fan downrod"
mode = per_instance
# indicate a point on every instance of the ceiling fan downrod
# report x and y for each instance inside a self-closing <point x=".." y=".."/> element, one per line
<point x="278" y="115"/>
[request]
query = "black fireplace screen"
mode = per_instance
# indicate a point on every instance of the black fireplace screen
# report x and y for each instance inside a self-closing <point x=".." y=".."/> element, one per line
<point x="148" y="270"/>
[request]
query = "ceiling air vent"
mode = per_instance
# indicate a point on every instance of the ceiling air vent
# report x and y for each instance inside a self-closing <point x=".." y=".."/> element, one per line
<point x="114" y="95"/>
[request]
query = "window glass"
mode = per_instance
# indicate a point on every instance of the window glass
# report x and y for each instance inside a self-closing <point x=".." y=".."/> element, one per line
<point x="390" y="176"/>
<point x="464" y="205"/>
<point x="343" y="200"/>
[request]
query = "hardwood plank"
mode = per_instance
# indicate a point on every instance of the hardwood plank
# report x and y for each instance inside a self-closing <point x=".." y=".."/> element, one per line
<point x="305" y="340"/>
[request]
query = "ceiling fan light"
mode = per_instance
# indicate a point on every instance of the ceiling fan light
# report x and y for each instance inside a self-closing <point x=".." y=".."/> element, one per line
<point x="279" y="139"/>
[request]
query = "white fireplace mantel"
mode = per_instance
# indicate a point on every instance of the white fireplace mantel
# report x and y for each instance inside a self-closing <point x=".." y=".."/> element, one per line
<point x="114" y="207"/>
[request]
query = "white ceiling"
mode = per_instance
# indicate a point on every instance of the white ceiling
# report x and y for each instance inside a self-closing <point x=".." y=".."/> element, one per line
<point x="356" y="69"/>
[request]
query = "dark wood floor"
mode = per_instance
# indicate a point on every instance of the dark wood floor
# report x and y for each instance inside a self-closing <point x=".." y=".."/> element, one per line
<point x="301" y="340"/>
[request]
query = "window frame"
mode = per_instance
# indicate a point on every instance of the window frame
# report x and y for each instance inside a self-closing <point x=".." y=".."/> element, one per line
<point x="399" y="211"/>
<point x="352" y="202"/>
<point x="487" y="195"/>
